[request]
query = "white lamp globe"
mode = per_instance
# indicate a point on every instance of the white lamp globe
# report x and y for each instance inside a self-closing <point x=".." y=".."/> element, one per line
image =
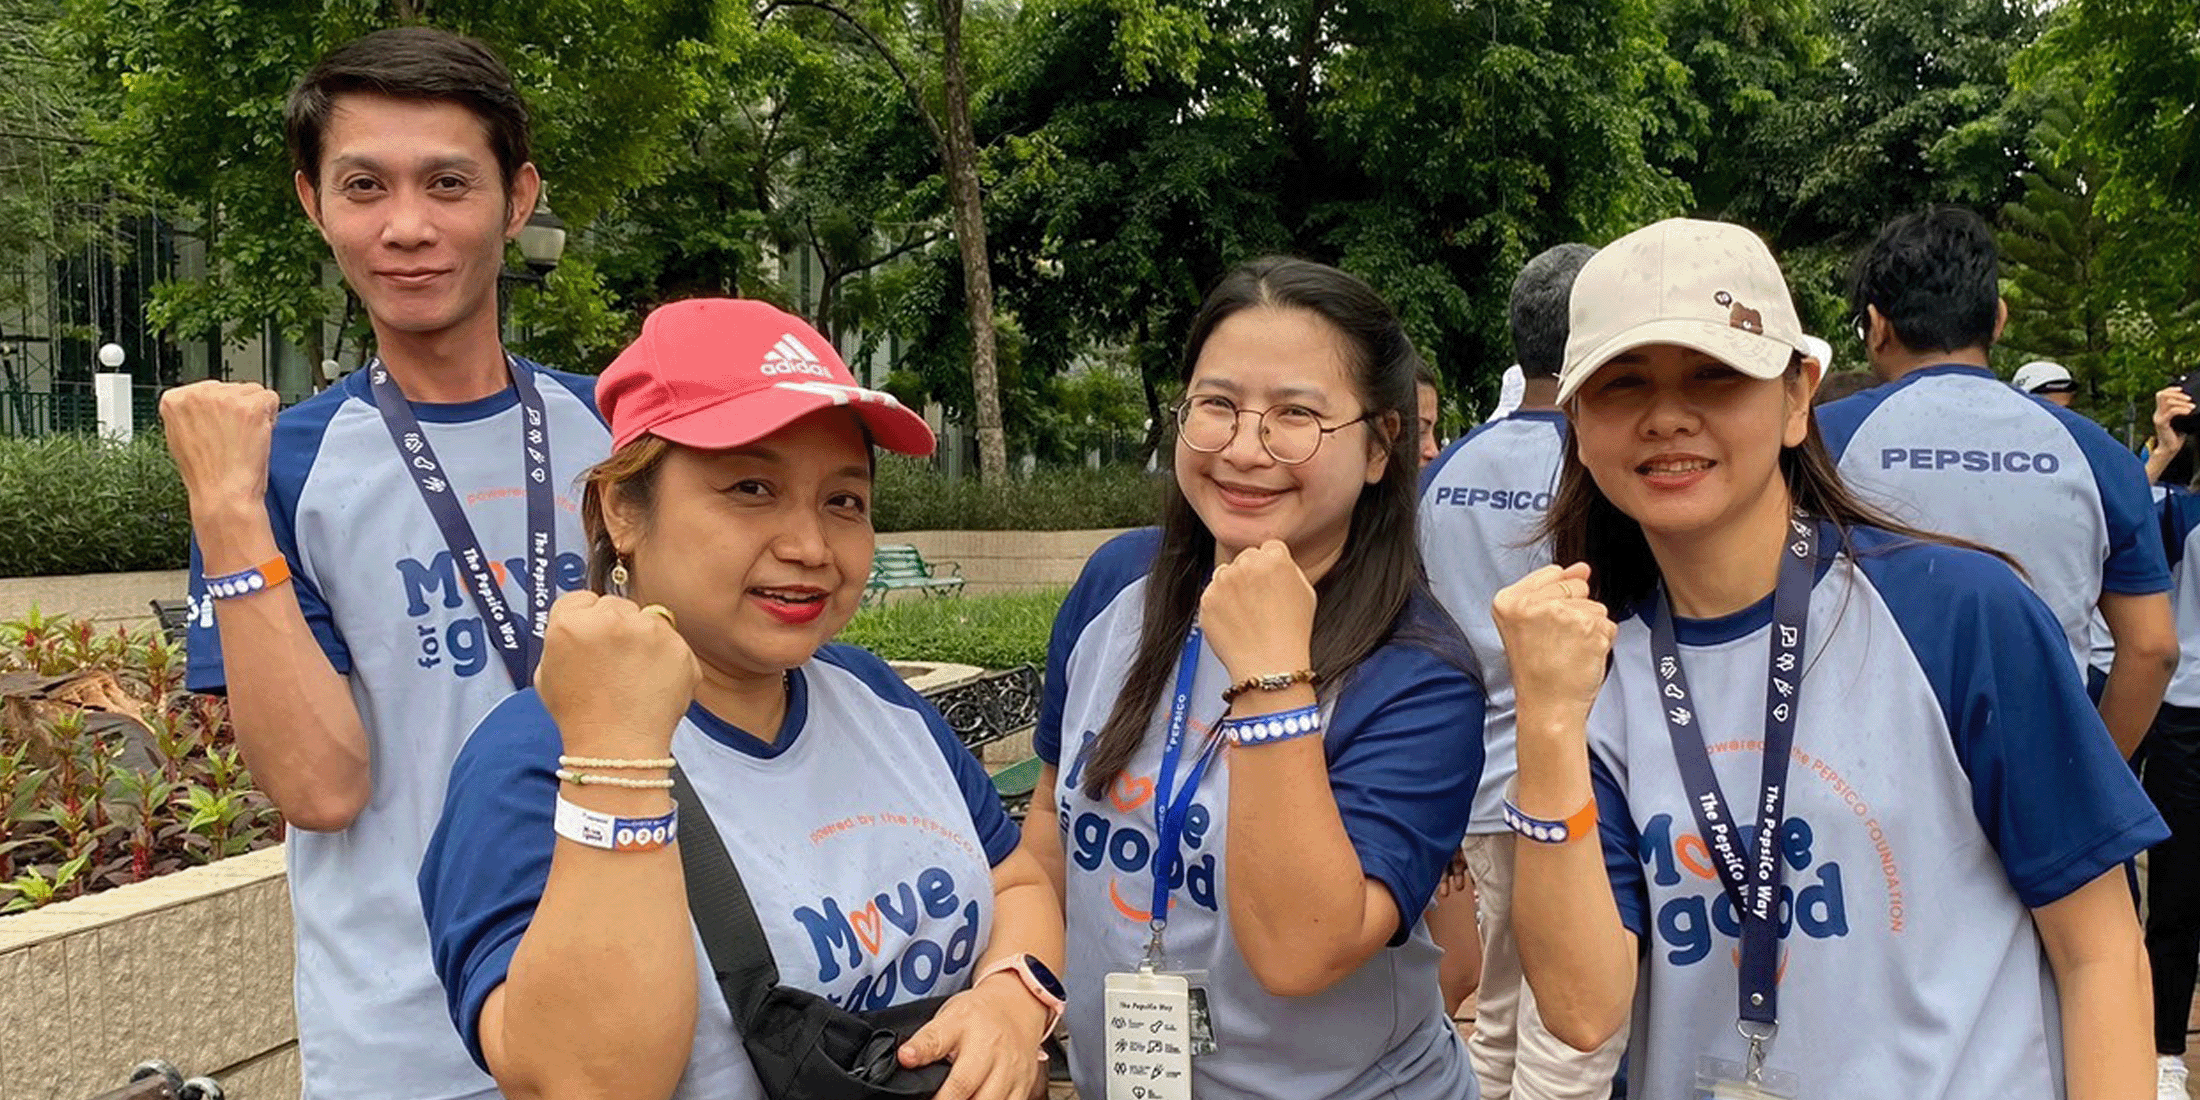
<point x="110" y="355"/>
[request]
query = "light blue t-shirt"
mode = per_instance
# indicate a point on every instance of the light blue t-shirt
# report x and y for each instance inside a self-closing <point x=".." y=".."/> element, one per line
<point x="1935" y="795"/>
<point x="1402" y="765"/>
<point x="865" y="835"/>
<point x="1481" y="503"/>
<point x="377" y="585"/>
<point x="2180" y="511"/>
<point x="1952" y="449"/>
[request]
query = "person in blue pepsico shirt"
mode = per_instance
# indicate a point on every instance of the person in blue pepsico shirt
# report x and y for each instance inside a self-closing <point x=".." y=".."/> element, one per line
<point x="729" y="535"/>
<point x="1948" y="447"/>
<point x="1839" y="819"/>
<point x="371" y="569"/>
<point x="1258" y="726"/>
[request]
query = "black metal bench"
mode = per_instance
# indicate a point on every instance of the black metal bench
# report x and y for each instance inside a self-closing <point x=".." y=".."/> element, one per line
<point x="896" y="567"/>
<point x="175" y="619"/>
<point x="991" y="708"/>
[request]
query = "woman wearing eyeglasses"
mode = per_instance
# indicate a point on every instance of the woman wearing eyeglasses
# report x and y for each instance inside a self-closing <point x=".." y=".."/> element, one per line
<point x="1261" y="734"/>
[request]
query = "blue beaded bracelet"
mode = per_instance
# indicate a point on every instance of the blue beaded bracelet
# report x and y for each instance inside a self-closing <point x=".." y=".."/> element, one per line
<point x="1280" y="726"/>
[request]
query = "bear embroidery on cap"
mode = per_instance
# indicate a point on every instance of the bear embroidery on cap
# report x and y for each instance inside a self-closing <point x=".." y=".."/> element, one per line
<point x="1741" y="316"/>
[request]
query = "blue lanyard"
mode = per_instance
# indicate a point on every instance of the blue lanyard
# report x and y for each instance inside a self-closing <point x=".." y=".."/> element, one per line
<point x="515" y="643"/>
<point x="1751" y="878"/>
<point x="1172" y="807"/>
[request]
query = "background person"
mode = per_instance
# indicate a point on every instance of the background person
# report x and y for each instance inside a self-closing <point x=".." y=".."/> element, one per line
<point x="1306" y="857"/>
<point x="874" y="851"/>
<point x="1950" y="448"/>
<point x="2049" y="382"/>
<point x="1482" y="508"/>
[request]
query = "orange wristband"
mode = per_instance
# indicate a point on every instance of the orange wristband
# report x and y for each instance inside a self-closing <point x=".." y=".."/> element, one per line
<point x="1583" y="822"/>
<point x="267" y="574"/>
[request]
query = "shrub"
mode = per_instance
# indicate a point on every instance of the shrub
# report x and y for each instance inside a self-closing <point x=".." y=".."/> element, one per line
<point x="910" y="497"/>
<point x="999" y="631"/>
<point x="79" y="504"/>
<point x="88" y="804"/>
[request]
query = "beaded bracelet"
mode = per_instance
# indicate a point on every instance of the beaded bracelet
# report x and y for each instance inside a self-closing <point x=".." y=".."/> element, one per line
<point x="1274" y="681"/>
<point x="615" y="763"/>
<point x="1281" y="726"/>
<point x="584" y="779"/>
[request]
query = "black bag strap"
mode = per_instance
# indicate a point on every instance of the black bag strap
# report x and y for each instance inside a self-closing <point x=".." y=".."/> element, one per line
<point x="719" y="905"/>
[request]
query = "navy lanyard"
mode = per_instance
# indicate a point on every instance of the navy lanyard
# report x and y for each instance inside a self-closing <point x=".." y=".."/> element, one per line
<point x="1172" y="807"/>
<point x="1751" y="878"/>
<point x="517" y="646"/>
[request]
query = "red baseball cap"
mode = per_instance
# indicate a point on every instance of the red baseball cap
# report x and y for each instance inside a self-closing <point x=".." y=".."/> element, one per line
<point x="714" y="373"/>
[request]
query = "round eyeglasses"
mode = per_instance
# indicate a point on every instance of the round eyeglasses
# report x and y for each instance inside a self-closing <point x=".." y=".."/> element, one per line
<point x="1289" y="433"/>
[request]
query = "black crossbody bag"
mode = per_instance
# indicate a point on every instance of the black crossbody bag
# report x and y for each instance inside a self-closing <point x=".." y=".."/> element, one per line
<point x="802" y="1046"/>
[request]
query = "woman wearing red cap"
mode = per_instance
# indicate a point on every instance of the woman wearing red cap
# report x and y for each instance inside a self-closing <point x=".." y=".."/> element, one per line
<point x="1818" y="797"/>
<point x="730" y="535"/>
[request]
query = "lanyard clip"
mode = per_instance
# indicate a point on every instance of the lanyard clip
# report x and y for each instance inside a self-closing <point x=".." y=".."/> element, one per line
<point x="1153" y="961"/>
<point x="1759" y="1036"/>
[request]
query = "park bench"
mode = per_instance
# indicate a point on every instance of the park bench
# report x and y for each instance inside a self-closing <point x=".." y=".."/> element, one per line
<point x="175" y="618"/>
<point x="898" y="566"/>
<point x="157" y="1080"/>
<point x="991" y="708"/>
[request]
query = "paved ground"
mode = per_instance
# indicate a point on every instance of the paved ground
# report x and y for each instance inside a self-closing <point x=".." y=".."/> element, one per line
<point x="100" y="596"/>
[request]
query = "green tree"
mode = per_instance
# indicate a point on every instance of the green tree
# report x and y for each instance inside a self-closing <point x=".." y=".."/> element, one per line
<point x="185" y="104"/>
<point x="2136" y="64"/>
<point x="1150" y="145"/>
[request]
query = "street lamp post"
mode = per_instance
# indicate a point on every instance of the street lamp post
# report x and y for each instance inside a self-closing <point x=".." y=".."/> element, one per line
<point x="111" y="395"/>
<point x="541" y="245"/>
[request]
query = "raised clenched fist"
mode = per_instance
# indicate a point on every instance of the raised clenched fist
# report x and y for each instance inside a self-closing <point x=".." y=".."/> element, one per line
<point x="1258" y="612"/>
<point x="1556" y="641"/>
<point x="615" y="678"/>
<point x="219" y="433"/>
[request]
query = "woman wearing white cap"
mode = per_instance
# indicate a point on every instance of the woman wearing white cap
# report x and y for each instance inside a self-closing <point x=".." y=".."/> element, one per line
<point x="1840" y="818"/>
<point x="731" y="532"/>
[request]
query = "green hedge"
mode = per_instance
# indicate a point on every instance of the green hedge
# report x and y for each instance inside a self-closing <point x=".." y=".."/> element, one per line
<point x="77" y="504"/>
<point x="910" y="497"/>
<point x="74" y="504"/>
<point x="987" y="631"/>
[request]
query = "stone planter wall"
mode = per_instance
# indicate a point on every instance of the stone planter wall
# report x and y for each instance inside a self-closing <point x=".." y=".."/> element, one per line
<point x="192" y="967"/>
<point x="1007" y="561"/>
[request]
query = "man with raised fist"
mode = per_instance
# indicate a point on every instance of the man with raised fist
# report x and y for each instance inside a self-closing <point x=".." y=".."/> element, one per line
<point x="372" y="568"/>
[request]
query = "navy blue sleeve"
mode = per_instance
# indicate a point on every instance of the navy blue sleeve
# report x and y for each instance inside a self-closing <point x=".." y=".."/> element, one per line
<point x="489" y="858"/>
<point x="1112" y="568"/>
<point x="2136" y="565"/>
<point x="1838" y="420"/>
<point x="297" y="443"/>
<point x="2180" y="512"/>
<point x="997" y="832"/>
<point x="1405" y="754"/>
<point x="1622" y="848"/>
<point x="2047" y="784"/>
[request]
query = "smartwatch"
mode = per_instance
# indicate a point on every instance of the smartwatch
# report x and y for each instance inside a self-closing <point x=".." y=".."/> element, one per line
<point x="1039" y="981"/>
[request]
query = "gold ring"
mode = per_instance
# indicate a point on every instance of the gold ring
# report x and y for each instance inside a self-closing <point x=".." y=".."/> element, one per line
<point x="663" y="612"/>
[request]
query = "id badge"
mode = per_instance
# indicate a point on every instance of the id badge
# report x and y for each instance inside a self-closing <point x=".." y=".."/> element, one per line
<point x="1719" y="1079"/>
<point x="1203" y="1018"/>
<point x="1149" y="1036"/>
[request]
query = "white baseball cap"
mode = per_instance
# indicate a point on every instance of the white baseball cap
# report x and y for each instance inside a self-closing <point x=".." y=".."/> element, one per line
<point x="1709" y="286"/>
<point x="2039" y="374"/>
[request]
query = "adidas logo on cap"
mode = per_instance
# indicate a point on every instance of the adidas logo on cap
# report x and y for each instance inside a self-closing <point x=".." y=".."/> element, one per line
<point x="791" y="356"/>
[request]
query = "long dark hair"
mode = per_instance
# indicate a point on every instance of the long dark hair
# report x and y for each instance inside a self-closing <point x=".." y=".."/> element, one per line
<point x="1364" y="597"/>
<point x="1583" y="525"/>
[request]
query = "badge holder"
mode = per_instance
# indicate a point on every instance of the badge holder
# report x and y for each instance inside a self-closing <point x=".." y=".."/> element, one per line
<point x="1149" y="1030"/>
<point x="1719" y="1079"/>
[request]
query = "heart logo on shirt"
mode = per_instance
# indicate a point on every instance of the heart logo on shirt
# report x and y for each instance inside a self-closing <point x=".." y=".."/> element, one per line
<point x="866" y="923"/>
<point x="1129" y="794"/>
